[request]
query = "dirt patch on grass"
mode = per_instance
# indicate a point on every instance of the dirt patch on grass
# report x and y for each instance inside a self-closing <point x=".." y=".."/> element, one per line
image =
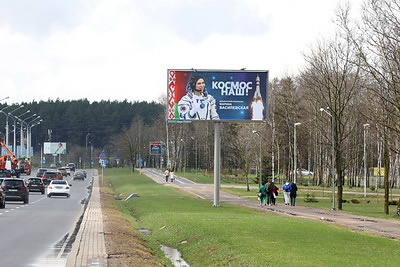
<point x="124" y="247"/>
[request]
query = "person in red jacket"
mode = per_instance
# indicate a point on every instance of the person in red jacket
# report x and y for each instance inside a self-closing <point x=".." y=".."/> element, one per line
<point x="274" y="195"/>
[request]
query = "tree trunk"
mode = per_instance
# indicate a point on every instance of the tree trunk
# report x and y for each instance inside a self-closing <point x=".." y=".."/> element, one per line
<point x="386" y="177"/>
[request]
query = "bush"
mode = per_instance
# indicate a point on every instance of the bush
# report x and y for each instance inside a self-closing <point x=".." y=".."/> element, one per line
<point x="310" y="198"/>
<point x="393" y="202"/>
<point x="372" y="188"/>
<point x="355" y="201"/>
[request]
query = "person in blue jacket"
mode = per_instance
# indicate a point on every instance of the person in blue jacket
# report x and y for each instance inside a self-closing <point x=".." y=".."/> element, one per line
<point x="286" y="192"/>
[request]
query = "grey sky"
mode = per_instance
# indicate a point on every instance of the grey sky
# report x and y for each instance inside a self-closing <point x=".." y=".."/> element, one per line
<point x="121" y="49"/>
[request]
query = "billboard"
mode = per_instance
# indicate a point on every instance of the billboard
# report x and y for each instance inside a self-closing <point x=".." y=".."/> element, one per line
<point x="217" y="95"/>
<point x="155" y="148"/>
<point x="54" y="148"/>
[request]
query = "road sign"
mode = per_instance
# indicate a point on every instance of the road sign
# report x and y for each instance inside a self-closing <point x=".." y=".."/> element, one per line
<point x="102" y="156"/>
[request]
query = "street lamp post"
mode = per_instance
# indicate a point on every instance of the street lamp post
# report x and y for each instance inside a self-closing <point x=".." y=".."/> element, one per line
<point x="184" y="156"/>
<point x="29" y="134"/>
<point x="259" y="136"/>
<point x="365" y="159"/>
<point x="295" y="152"/>
<point x="333" y="156"/>
<point x="195" y="154"/>
<point x="7" y="129"/>
<point x="22" y="131"/>
<point x="87" y="137"/>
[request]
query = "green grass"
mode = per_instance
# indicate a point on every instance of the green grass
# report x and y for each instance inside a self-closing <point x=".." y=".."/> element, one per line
<point x="236" y="236"/>
<point x="208" y="177"/>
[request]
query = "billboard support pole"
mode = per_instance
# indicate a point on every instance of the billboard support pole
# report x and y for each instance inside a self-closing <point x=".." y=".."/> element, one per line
<point x="217" y="161"/>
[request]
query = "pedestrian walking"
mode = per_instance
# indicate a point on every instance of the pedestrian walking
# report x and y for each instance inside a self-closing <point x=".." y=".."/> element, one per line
<point x="262" y="195"/>
<point x="166" y="173"/>
<point x="286" y="192"/>
<point x="270" y="190"/>
<point x="274" y="195"/>
<point x="172" y="175"/>
<point x="293" y="194"/>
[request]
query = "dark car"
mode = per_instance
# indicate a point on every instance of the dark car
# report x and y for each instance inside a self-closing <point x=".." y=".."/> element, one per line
<point x="79" y="175"/>
<point x="40" y="172"/>
<point x="71" y="166"/>
<point x="52" y="175"/>
<point x="2" y="199"/>
<point x="15" y="190"/>
<point x="36" y="185"/>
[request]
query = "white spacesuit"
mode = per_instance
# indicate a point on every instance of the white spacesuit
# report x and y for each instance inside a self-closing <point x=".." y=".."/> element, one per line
<point x="197" y="104"/>
<point x="193" y="107"/>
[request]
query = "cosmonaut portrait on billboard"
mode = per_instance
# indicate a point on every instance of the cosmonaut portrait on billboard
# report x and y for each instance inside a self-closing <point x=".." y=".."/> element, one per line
<point x="217" y="95"/>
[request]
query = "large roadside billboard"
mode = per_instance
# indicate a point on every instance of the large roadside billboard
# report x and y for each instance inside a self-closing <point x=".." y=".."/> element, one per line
<point x="217" y="95"/>
<point x="54" y="148"/>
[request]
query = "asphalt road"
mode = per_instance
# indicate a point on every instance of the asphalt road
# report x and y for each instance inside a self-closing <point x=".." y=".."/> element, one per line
<point x="37" y="234"/>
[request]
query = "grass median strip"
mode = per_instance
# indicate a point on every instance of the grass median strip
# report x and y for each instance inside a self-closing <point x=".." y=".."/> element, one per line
<point x="236" y="236"/>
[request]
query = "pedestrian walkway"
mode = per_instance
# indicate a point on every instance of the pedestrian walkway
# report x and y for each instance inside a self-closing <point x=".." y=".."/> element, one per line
<point x="385" y="228"/>
<point x="89" y="246"/>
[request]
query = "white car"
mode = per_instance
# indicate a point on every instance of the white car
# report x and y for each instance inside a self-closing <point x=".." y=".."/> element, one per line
<point x="58" y="188"/>
<point x="305" y="172"/>
<point x="68" y="171"/>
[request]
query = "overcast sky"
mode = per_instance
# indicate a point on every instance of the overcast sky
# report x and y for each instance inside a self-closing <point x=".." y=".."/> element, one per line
<point x="121" y="49"/>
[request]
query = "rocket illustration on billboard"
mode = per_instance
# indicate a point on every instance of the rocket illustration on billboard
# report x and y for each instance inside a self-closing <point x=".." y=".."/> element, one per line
<point x="257" y="105"/>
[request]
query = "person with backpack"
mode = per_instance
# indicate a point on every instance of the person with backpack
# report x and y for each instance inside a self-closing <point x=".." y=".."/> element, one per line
<point x="262" y="194"/>
<point x="270" y="189"/>
<point x="286" y="192"/>
<point x="293" y="194"/>
<point x="166" y="173"/>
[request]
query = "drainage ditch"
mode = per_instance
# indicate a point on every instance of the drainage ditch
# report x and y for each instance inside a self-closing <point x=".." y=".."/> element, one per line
<point x="171" y="253"/>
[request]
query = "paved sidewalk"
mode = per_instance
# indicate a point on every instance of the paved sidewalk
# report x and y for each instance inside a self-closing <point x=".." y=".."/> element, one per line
<point x="89" y="246"/>
<point x="385" y="228"/>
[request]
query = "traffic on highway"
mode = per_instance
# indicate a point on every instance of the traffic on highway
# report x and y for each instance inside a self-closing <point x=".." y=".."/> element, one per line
<point x="38" y="217"/>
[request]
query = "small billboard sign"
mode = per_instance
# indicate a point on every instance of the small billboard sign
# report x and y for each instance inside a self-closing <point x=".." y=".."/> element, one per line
<point x="54" y="148"/>
<point x="155" y="148"/>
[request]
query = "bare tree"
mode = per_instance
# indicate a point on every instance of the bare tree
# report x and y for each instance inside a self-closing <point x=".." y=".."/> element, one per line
<point x="128" y="142"/>
<point x="377" y="42"/>
<point x="335" y="83"/>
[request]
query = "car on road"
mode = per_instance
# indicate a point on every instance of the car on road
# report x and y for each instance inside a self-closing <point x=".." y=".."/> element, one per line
<point x="71" y="166"/>
<point x="79" y="175"/>
<point x="2" y="199"/>
<point x="84" y="172"/>
<point x="15" y="190"/>
<point x="58" y="188"/>
<point x="53" y="166"/>
<point x="68" y="171"/>
<point x="39" y="172"/>
<point x="35" y="184"/>
<point x="63" y="171"/>
<point x="48" y="176"/>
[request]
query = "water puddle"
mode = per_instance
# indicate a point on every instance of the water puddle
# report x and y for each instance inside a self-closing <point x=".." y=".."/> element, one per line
<point x="174" y="255"/>
<point x="145" y="231"/>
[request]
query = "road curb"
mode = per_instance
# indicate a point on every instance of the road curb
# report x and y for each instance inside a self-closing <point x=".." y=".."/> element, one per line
<point x="89" y="246"/>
